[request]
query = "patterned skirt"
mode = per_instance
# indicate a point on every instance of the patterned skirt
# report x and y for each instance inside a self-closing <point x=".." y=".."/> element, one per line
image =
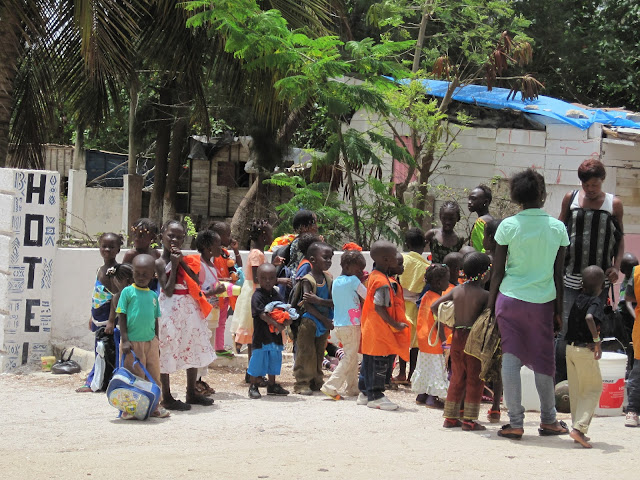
<point x="430" y="375"/>
<point x="184" y="335"/>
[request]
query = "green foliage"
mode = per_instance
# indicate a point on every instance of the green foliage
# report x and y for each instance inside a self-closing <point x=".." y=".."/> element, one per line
<point x="191" y="227"/>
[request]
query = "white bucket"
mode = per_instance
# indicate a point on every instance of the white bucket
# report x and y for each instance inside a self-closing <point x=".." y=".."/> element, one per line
<point x="613" y="367"/>
<point x="530" y="398"/>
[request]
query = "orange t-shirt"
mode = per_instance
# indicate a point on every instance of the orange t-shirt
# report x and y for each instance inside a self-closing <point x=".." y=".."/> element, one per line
<point x="194" y="263"/>
<point x="221" y="264"/>
<point x="378" y="339"/>
<point x="426" y="321"/>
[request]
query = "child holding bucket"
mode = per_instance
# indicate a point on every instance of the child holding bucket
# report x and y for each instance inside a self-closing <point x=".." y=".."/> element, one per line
<point x="584" y="349"/>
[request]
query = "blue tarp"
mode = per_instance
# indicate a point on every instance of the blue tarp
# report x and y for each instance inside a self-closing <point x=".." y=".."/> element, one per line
<point x="547" y="106"/>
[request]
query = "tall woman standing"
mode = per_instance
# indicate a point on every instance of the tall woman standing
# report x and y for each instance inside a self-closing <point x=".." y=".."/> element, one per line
<point x="526" y="295"/>
<point x="594" y="224"/>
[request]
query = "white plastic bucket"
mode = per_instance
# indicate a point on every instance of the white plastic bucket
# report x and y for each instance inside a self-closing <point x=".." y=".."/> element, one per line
<point x="613" y="367"/>
<point x="530" y="398"/>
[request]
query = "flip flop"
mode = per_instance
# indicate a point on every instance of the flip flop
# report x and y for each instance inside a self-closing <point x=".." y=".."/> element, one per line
<point x="471" y="426"/>
<point x="451" y="423"/>
<point x="225" y="353"/>
<point x="548" y="432"/>
<point x="200" y="400"/>
<point x="84" y="389"/>
<point x="511" y="436"/>
<point x="177" y="405"/>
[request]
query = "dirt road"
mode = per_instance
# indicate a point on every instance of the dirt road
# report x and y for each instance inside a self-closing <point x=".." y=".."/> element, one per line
<point x="48" y="431"/>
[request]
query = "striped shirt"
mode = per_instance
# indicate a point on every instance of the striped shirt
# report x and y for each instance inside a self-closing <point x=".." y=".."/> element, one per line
<point x="593" y="235"/>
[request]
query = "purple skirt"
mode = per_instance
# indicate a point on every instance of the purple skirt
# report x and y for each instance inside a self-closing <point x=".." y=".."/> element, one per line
<point x="526" y="330"/>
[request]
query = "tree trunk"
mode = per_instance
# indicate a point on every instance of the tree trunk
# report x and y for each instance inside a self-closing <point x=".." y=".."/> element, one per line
<point x="242" y="216"/>
<point x="78" y="149"/>
<point x="9" y="54"/>
<point x="354" y="204"/>
<point x="163" y="136"/>
<point x="178" y="140"/>
<point x="420" y="42"/>
<point x="133" y="106"/>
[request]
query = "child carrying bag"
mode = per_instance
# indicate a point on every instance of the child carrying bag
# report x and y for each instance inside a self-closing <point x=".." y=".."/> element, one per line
<point x="131" y="394"/>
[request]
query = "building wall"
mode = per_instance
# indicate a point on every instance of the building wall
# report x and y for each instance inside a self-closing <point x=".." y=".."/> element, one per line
<point x="557" y="152"/>
<point x="29" y="222"/>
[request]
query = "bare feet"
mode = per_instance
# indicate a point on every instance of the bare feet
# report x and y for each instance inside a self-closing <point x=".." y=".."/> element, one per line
<point x="580" y="438"/>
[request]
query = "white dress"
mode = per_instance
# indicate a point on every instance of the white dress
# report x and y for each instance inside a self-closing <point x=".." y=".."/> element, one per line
<point x="430" y="375"/>
<point x="184" y="333"/>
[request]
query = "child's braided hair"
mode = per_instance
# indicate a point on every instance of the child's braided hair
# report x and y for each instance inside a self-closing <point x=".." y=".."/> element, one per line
<point x="436" y="271"/>
<point x="145" y="225"/>
<point x="258" y="227"/>
<point x="117" y="236"/>
<point x="451" y="205"/>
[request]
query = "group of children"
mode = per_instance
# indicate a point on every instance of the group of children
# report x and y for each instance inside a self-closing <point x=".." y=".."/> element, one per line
<point x="171" y="311"/>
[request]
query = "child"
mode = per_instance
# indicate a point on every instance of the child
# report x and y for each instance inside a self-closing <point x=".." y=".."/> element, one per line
<point x="384" y="329"/>
<point x="267" y="344"/>
<point x="304" y="221"/>
<point x="631" y="296"/>
<point x="444" y="240"/>
<point x="479" y="201"/>
<point x="454" y="261"/>
<point x="629" y="260"/>
<point x="412" y="280"/>
<point x="225" y="264"/>
<point x="139" y="311"/>
<point x="143" y="232"/>
<point x="584" y="349"/>
<point x="489" y="244"/>
<point x="104" y="289"/>
<point x="469" y="300"/>
<point x="394" y="274"/>
<point x="304" y="242"/>
<point x="183" y="333"/>
<point x="316" y="321"/>
<point x="346" y="292"/>
<point x="208" y="244"/>
<point x="430" y="380"/>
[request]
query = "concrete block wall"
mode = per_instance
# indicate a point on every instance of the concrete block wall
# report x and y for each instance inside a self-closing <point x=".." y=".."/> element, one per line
<point x="29" y="223"/>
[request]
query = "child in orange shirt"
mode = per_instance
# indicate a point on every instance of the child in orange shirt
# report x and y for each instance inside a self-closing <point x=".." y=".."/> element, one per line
<point x="384" y="328"/>
<point x="429" y="379"/>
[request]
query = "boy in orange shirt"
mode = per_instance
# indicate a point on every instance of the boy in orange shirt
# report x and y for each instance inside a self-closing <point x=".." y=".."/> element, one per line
<point x="384" y="328"/>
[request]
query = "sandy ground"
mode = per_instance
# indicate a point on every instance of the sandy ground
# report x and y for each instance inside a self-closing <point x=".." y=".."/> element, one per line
<point x="49" y="431"/>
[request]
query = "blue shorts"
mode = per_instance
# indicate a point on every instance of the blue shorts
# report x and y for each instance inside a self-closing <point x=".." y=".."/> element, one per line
<point x="266" y="360"/>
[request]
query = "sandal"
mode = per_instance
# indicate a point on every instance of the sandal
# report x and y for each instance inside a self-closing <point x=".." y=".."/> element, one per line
<point x="547" y="432"/>
<point x="451" y="423"/>
<point x="176" y="405"/>
<point x="472" y="426"/>
<point x="510" y="435"/>
<point x="199" y="400"/>
<point x="493" y="416"/>
<point x="400" y="381"/>
<point x="203" y="388"/>
<point x="84" y="389"/>
<point x="225" y="353"/>
<point x="160" y="412"/>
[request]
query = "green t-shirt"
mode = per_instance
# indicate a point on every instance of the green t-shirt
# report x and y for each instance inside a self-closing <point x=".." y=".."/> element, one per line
<point x="142" y="308"/>
<point x="533" y="239"/>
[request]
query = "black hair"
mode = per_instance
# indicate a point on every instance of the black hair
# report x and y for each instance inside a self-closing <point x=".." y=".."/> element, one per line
<point x="258" y="227"/>
<point x="351" y="257"/>
<point x="220" y="227"/>
<point x="314" y="247"/>
<point x="487" y="192"/>
<point x="527" y="186"/>
<point x="205" y="239"/>
<point x="414" y="238"/>
<point x="124" y="272"/>
<point x="592" y="278"/>
<point x="145" y="224"/>
<point x="306" y="240"/>
<point x="303" y="218"/>
<point x="436" y="271"/>
<point x="450" y="205"/>
<point x="491" y="227"/>
<point x="117" y="236"/>
<point x="475" y="264"/>
<point x="173" y="222"/>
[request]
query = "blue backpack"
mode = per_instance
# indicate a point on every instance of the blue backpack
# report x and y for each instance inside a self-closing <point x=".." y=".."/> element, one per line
<point x="131" y="394"/>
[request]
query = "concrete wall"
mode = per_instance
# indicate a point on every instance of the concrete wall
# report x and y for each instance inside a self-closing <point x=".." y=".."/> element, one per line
<point x="29" y="222"/>
<point x="73" y="280"/>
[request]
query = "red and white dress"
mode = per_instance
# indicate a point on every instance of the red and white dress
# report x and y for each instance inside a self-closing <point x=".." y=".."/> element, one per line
<point x="184" y="333"/>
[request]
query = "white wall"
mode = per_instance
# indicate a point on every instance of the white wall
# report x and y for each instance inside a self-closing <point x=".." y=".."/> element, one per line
<point x="73" y="280"/>
<point x="29" y="222"/>
<point x="103" y="210"/>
